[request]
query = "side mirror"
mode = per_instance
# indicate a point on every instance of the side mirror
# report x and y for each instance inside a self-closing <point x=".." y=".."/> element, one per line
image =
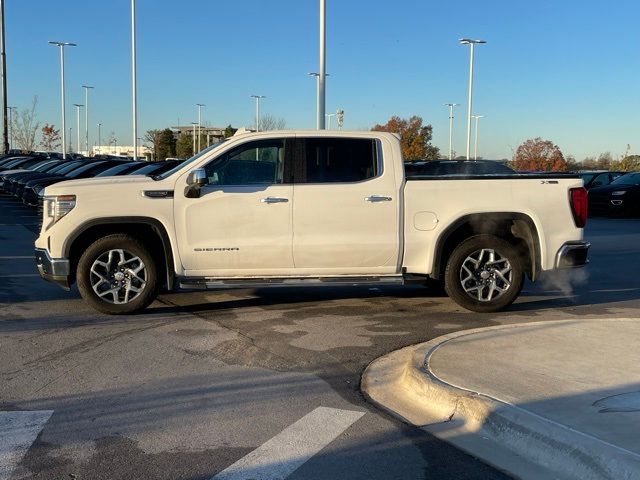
<point x="197" y="179"/>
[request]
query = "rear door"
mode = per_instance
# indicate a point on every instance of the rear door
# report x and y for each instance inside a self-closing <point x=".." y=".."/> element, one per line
<point x="345" y="209"/>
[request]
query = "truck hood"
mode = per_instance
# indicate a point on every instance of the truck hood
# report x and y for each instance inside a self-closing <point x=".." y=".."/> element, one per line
<point x="69" y="186"/>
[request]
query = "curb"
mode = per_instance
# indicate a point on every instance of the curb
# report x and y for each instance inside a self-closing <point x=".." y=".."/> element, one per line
<point x="504" y="435"/>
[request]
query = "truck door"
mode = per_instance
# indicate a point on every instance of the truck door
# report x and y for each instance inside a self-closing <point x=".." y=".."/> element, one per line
<point x="242" y="222"/>
<point x="346" y="208"/>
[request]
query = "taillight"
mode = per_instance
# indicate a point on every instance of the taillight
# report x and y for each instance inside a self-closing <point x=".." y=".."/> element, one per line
<point x="578" y="201"/>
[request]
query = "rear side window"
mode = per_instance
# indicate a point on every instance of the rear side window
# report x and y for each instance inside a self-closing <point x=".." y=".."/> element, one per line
<point x="336" y="160"/>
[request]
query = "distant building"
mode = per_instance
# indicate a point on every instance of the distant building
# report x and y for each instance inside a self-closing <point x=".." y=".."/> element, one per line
<point x="119" y="150"/>
<point x="211" y="134"/>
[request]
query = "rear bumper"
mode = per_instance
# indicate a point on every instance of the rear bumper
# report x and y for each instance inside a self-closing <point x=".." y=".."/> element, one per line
<point x="572" y="254"/>
<point x="56" y="270"/>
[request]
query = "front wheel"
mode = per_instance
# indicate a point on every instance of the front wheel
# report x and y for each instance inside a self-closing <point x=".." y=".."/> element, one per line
<point x="484" y="274"/>
<point x="117" y="275"/>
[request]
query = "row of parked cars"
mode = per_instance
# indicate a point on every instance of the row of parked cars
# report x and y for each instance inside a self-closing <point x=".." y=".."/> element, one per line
<point x="26" y="177"/>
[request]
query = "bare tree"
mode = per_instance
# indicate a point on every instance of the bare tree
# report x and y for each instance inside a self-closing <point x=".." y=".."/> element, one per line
<point x="25" y="127"/>
<point x="269" y="122"/>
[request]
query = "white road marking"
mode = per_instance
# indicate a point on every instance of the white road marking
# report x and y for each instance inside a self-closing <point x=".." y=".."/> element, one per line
<point x="286" y="452"/>
<point x="18" y="430"/>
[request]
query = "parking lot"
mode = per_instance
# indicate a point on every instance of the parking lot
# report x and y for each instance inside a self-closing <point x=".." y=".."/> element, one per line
<point x="202" y="380"/>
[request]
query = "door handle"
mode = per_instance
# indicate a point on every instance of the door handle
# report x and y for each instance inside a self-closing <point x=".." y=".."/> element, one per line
<point x="274" y="200"/>
<point x="377" y="198"/>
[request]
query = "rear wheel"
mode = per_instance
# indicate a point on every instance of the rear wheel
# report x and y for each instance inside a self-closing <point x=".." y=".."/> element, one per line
<point x="484" y="274"/>
<point x="117" y="275"/>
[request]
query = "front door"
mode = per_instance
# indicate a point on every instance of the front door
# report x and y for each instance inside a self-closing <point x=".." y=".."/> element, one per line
<point x="241" y="225"/>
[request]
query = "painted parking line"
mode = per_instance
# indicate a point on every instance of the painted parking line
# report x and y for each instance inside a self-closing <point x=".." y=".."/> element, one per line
<point x="286" y="452"/>
<point x="18" y="430"/>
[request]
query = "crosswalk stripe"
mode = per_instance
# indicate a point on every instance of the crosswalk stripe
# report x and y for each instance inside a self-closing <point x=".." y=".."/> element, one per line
<point x="18" y="430"/>
<point x="287" y="451"/>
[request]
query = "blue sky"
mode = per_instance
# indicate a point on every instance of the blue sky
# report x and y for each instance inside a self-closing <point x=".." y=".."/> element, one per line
<point x="566" y="70"/>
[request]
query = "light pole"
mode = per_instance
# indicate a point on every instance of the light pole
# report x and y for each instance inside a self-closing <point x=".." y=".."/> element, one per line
<point x="317" y="77"/>
<point x="329" y="115"/>
<point x="70" y="138"/>
<point x="99" y="149"/>
<point x="258" y="97"/>
<point x="61" y="45"/>
<point x="133" y="80"/>
<point x="3" y="64"/>
<point x="451" y="105"/>
<point x="472" y="44"/>
<point x="475" y="150"/>
<point x="78" y="107"/>
<point x="86" y="116"/>
<point x="323" y="65"/>
<point x="199" y="105"/>
<point x="194" y="136"/>
<point x="11" y="109"/>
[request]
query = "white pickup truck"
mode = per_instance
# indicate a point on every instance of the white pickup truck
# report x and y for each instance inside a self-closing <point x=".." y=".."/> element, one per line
<point x="307" y="208"/>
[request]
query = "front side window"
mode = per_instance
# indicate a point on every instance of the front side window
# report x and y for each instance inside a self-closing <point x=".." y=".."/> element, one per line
<point x="337" y="160"/>
<point x="254" y="163"/>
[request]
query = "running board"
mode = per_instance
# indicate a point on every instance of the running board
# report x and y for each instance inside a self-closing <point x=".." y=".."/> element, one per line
<point x="218" y="283"/>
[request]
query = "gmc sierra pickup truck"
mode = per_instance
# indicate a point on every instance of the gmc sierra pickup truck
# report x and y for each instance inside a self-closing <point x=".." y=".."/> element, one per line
<point x="307" y="208"/>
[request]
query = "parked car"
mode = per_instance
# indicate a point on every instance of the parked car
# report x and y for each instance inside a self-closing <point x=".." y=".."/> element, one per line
<point x="20" y="163"/>
<point x="87" y="170"/>
<point x="8" y="177"/>
<point x="598" y="179"/>
<point x="66" y="166"/>
<point x="457" y="167"/>
<point x="307" y="208"/>
<point x="620" y="197"/>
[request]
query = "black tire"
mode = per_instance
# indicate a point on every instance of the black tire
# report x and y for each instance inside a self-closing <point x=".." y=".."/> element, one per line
<point x="457" y="271"/>
<point x="98" y="252"/>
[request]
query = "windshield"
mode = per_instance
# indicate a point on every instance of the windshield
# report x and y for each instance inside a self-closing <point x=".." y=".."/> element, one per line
<point x="119" y="169"/>
<point x="587" y="177"/>
<point x="168" y="173"/>
<point x="627" y="179"/>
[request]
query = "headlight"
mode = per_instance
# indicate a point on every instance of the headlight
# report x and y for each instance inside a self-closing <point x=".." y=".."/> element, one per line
<point x="619" y="192"/>
<point x="56" y="207"/>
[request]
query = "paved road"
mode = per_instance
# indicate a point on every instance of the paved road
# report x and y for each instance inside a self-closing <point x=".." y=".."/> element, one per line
<point x="204" y="380"/>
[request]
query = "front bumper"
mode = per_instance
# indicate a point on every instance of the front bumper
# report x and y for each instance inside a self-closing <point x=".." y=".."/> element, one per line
<point x="56" y="270"/>
<point x="573" y="254"/>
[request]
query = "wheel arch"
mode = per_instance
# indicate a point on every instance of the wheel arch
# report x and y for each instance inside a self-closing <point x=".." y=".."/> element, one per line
<point x="517" y="228"/>
<point x="148" y="230"/>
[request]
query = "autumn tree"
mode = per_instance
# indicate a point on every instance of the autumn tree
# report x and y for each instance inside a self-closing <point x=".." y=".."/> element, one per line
<point x="25" y="127"/>
<point x="415" y="139"/>
<point x="50" y="140"/>
<point x="539" y="155"/>
<point x="630" y="163"/>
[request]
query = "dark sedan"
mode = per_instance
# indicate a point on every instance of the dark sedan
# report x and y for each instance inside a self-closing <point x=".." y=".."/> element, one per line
<point x="66" y="166"/>
<point x="598" y="179"/>
<point x="9" y="177"/>
<point x="87" y="170"/>
<point x="620" y="197"/>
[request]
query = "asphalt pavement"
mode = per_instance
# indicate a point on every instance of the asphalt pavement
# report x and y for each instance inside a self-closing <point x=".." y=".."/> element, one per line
<point x="205" y="385"/>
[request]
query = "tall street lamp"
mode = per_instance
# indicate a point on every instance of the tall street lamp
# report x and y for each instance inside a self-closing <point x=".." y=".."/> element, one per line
<point x="78" y="107"/>
<point x="258" y="97"/>
<point x="3" y="65"/>
<point x="86" y="116"/>
<point x="317" y="77"/>
<point x="323" y="65"/>
<point x="475" y="150"/>
<point x="134" y="87"/>
<point x="472" y="44"/>
<point x="199" y="105"/>
<point x="61" y="45"/>
<point x="99" y="149"/>
<point x="451" y="105"/>
<point x="11" y="110"/>
<point x="194" y="136"/>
